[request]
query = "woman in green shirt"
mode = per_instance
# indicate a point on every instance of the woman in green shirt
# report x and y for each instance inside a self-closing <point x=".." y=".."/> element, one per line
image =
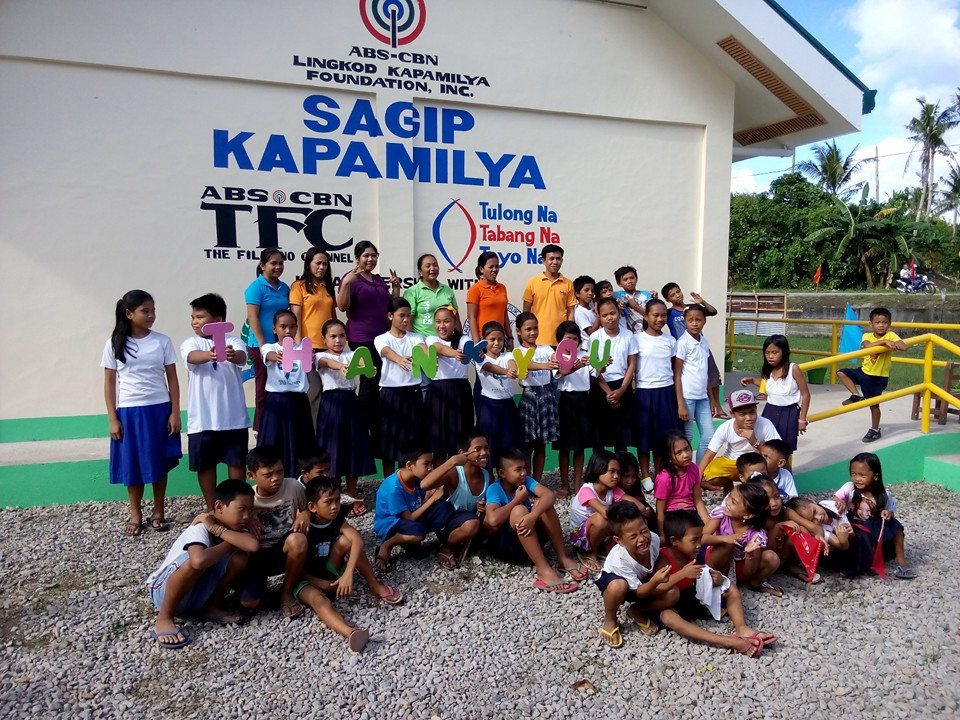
<point x="428" y="295"/>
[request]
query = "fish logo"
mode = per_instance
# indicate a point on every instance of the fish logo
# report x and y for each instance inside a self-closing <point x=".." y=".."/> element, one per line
<point x="394" y="22"/>
<point x="439" y="232"/>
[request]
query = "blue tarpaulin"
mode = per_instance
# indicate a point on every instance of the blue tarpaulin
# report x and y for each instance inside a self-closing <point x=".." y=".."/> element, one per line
<point x="850" y="337"/>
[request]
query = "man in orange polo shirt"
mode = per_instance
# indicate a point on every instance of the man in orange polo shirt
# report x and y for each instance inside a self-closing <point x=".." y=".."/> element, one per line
<point x="549" y="295"/>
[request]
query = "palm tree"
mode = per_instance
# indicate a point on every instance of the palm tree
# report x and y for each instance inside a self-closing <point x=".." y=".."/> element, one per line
<point x="949" y="197"/>
<point x="832" y="170"/>
<point x="927" y="130"/>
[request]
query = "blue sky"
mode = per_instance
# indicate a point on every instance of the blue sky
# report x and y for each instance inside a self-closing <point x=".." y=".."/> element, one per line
<point x="904" y="49"/>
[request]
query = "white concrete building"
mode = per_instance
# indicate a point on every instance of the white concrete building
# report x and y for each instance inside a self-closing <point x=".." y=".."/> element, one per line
<point x="161" y="145"/>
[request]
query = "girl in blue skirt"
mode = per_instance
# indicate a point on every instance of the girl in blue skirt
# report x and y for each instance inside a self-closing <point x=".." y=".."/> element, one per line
<point x="498" y="416"/>
<point x="143" y="406"/>
<point x="447" y="400"/>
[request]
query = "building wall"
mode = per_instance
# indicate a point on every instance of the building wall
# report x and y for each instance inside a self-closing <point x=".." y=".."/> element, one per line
<point x="606" y="131"/>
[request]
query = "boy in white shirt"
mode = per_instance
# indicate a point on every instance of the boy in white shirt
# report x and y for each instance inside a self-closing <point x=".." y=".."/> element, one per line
<point x="217" y="418"/>
<point x="776" y="453"/>
<point x="204" y="562"/>
<point x="744" y="432"/>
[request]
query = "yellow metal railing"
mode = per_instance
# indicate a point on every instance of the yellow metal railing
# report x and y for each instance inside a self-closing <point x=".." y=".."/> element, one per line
<point x="927" y="387"/>
<point x="835" y="331"/>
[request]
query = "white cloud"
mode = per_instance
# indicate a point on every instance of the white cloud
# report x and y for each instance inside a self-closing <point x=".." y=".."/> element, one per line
<point x="742" y="180"/>
<point x="916" y="43"/>
<point x="894" y="172"/>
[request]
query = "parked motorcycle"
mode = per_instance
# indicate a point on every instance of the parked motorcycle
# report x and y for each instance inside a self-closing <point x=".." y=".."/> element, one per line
<point x="921" y="284"/>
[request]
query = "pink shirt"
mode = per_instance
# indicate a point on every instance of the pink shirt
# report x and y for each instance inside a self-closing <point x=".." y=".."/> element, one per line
<point x="580" y="510"/>
<point x="678" y="493"/>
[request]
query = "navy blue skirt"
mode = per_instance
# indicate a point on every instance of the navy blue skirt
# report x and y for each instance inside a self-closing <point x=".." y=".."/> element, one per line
<point x="576" y="422"/>
<point x="499" y="420"/>
<point x="147" y="451"/>
<point x="401" y="420"/>
<point x="342" y="432"/>
<point x="656" y="415"/>
<point x="448" y="406"/>
<point x="614" y="425"/>
<point x="286" y="425"/>
<point x="785" y="419"/>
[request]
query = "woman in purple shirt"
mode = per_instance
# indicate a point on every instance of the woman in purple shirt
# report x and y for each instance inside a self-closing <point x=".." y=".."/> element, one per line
<point x="364" y="297"/>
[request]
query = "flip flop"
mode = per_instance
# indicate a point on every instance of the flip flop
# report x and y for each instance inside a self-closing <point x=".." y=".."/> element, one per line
<point x="644" y="624"/>
<point x="802" y="575"/>
<point x="358" y="509"/>
<point x="395" y="597"/>
<point x="447" y="561"/>
<point x="904" y="573"/>
<point x="134" y="529"/>
<point x="358" y="639"/>
<point x="561" y="588"/>
<point x="767" y="589"/>
<point x="159" y="524"/>
<point x="291" y="611"/>
<point x="612" y="638"/>
<point x="756" y="646"/>
<point x="589" y="563"/>
<point x="379" y="563"/>
<point x="577" y="574"/>
<point x="176" y="644"/>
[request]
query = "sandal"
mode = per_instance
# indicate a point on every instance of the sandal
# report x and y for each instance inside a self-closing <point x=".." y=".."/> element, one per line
<point x="393" y="597"/>
<point x="358" y="639"/>
<point x="589" y="563"/>
<point x="169" y="640"/>
<point x="447" y="561"/>
<point x="767" y="588"/>
<point x="576" y="573"/>
<point x="613" y="638"/>
<point x="904" y="573"/>
<point x="561" y="588"/>
<point x="159" y="524"/>
<point x="291" y="611"/>
<point x="358" y="509"/>
<point x="644" y="624"/>
<point x="134" y="529"/>
<point x="754" y="648"/>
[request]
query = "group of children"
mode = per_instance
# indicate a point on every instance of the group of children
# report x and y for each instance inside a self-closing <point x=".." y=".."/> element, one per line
<point x="647" y="391"/>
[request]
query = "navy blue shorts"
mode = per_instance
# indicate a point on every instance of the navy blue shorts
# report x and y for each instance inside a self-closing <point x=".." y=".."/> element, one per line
<point x="870" y="385"/>
<point x="442" y="518"/>
<point x="208" y="448"/>
<point x="505" y="545"/>
<point x="263" y="564"/>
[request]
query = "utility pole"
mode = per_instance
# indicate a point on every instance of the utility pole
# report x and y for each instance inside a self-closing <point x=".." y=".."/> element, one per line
<point x="876" y="173"/>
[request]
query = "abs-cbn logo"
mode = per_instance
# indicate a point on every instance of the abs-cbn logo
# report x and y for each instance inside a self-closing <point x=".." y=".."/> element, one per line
<point x="394" y="22"/>
<point x="241" y="214"/>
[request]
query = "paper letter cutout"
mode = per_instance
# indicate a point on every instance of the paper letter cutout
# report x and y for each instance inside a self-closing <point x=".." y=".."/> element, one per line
<point x="424" y="361"/>
<point x="523" y="358"/>
<point x="567" y="355"/>
<point x="291" y="354"/>
<point x="473" y="352"/>
<point x="597" y="362"/>
<point x="218" y="331"/>
<point x="361" y="364"/>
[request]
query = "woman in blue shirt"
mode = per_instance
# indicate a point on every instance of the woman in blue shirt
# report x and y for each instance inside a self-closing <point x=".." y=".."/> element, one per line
<point x="265" y="296"/>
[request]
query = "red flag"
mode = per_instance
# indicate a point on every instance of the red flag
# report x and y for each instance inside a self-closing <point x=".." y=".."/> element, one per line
<point x="808" y="550"/>
<point x="877" y="565"/>
<point x="818" y="274"/>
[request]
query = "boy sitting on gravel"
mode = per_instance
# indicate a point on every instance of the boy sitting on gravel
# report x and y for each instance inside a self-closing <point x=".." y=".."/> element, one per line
<point x="335" y="552"/>
<point x="519" y="516"/>
<point x="405" y="512"/>
<point x="280" y="521"/>
<point x="204" y="562"/>
<point x="743" y="433"/>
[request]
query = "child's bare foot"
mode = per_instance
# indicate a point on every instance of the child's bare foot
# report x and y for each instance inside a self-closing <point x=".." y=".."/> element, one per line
<point x="563" y="492"/>
<point x="611" y="635"/>
<point x="749" y="633"/>
<point x="750" y="646"/>
<point x="289" y="607"/>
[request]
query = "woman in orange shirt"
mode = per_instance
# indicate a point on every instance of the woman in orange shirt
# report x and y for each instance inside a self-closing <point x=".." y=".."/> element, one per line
<point x="487" y="299"/>
<point x="312" y="300"/>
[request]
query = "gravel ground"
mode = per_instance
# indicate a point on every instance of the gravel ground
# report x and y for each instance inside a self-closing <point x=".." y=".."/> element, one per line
<point x="477" y="642"/>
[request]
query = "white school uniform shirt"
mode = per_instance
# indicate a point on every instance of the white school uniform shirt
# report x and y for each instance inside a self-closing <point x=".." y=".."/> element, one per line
<point x="537" y="378"/>
<point x="845" y="493"/>
<point x="193" y="535"/>
<point x="496" y="387"/>
<point x="622" y="346"/>
<point x="449" y="368"/>
<point x="280" y="381"/>
<point x="584" y="317"/>
<point x="142" y="379"/>
<point x="733" y="445"/>
<point x="782" y="392"/>
<point x="655" y="366"/>
<point x="392" y="375"/>
<point x="577" y="381"/>
<point x="331" y="379"/>
<point x="785" y="483"/>
<point x="695" y="355"/>
<point x="215" y="399"/>
<point x="619" y="562"/>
